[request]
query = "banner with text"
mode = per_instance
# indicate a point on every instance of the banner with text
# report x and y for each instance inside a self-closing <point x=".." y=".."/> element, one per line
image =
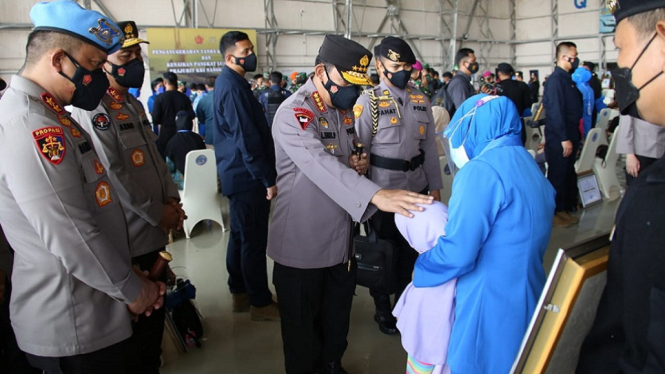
<point x="193" y="54"/>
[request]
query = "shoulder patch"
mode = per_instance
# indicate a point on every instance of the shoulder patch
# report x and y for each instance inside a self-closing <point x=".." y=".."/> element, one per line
<point x="50" y="143"/>
<point x="101" y="121"/>
<point x="358" y="110"/>
<point x="320" y="105"/>
<point x="53" y="104"/>
<point x="304" y="117"/>
<point x="115" y="95"/>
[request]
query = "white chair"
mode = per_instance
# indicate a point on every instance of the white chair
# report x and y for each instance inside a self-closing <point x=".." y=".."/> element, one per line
<point x="595" y="138"/>
<point x="199" y="194"/>
<point x="447" y="178"/>
<point x="604" y="118"/>
<point x="606" y="172"/>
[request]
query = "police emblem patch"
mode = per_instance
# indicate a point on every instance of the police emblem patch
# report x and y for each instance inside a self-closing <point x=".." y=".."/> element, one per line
<point x="393" y="120"/>
<point x="103" y="194"/>
<point x="393" y="56"/>
<point x="358" y="110"/>
<point x="324" y="122"/>
<point x="101" y="121"/>
<point x="348" y="121"/>
<point x="121" y="72"/>
<point x="99" y="168"/>
<point x="122" y="116"/>
<point x="75" y="133"/>
<point x="304" y="117"/>
<point x="319" y="102"/>
<point x="105" y="32"/>
<point x="52" y="104"/>
<point x="138" y="157"/>
<point x="51" y="143"/>
<point x="87" y="79"/>
<point x="332" y="147"/>
<point x="65" y="121"/>
<point x="115" y="106"/>
<point x="115" y="95"/>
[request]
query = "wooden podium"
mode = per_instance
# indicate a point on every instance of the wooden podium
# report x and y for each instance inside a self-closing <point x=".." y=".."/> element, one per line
<point x="566" y="309"/>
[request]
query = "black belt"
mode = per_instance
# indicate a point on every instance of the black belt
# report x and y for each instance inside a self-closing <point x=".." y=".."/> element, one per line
<point x="397" y="164"/>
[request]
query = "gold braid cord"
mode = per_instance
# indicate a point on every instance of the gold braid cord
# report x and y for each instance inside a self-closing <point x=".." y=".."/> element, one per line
<point x="374" y="110"/>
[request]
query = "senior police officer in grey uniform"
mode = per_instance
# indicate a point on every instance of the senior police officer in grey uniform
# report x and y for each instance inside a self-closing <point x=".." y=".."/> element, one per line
<point x="321" y="191"/>
<point x="73" y="280"/>
<point x="394" y="121"/>
<point x="125" y="143"/>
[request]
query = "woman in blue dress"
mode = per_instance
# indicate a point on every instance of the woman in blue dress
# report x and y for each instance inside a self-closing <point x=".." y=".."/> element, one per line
<point x="500" y="221"/>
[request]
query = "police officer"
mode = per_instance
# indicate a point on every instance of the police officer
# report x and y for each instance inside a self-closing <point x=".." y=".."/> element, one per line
<point x="563" y="103"/>
<point x="273" y="97"/>
<point x="629" y="330"/>
<point x="321" y="190"/>
<point x="121" y="135"/>
<point x="394" y="121"/>
<point x="73" y="281"/>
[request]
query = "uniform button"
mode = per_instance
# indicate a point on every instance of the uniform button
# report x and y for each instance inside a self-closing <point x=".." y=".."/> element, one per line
<point x="358" y="205"/>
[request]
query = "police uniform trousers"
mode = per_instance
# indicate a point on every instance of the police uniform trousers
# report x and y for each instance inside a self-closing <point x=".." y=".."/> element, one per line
<point x="246" y="252"/>
<point x="561" y="174"/>
<point x="109" y="360"/>
<point x="145" y="345"/>
<point x="315" y="309"/>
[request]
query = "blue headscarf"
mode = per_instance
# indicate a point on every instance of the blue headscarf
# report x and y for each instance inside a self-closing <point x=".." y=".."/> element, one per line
<point x="493" y="119"/>
<point x="581" y="75"/>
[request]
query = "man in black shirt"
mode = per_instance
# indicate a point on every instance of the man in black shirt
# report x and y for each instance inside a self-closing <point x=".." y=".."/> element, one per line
<point x="165" y="108"/>
<point x="517" y="92"/>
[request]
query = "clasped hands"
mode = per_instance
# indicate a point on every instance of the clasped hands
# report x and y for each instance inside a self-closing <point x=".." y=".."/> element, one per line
<point x="172" y="216"/>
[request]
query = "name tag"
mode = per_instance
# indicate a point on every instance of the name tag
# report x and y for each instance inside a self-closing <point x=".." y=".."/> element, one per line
<point x="387" y="111"/>
<point x="328" y="135"/>
<point x="420" y="108"/>
<point x="126" y="126"/>
<point x="85" y="147"/>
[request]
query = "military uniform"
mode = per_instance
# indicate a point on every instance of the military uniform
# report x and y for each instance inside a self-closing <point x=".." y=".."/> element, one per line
<point x="311" y="230"/>
<point x="403" y="155"/>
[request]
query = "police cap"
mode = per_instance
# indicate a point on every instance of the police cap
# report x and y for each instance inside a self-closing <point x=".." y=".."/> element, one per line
<point x="131" y="33"/>
<point x="626" y="8"/>
<point x="397" y="50"/>
<point x="70" y="18"/>
<point x="350" y="58"/>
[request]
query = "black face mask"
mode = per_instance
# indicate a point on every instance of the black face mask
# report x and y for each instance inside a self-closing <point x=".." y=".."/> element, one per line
<point x="399" y="79"/>
<point x="130" y="74"/>
<point x="473" y="68"/>
<point x="247" y="63"/>
<point x="574" y="62"/>
<point x="90" y="86"/>
<point x="626" y="92"/>
<point x="342" y="97"/>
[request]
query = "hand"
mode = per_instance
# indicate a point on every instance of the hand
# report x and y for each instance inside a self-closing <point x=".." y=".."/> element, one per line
<point x="567" y="148"/>
<point x="170" y="218"/>
<point x="360" y="165"/>
<point x="272" y="192"/>
<point x="632" y="165"/>
<point x="436" y="194"/>
<point x="151" y="296"/>
<point x="400" y="201"/>
<point x="178" y="207"/>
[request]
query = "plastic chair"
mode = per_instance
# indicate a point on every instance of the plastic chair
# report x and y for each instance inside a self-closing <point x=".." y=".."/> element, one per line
<point x="604" y="118"/>
<point x="595" y="138"/>
<point x="447" y="177"/>
<point x="199" y="194"/>
<point x="606" y="172"/>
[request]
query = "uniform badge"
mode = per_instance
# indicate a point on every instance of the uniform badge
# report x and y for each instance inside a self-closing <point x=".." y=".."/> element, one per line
<point x="393" y="120"/>
<point x="87" y="79"/>
<point x="53" y="104"/>
<point x="332" y="147"/>
<point x="122" y="116"/>
<point x="384" y="104"/>
<point x="51" y="143"/>
<point x="103" y="194"/>
<point x="101" y="121"/>
<point x="421" y="130"/>
<point x="386" y="92"/>
<point x="121" y="72"/>
<point x="358" y="110"/>
<point x="343" y="112"/>
<point x="420" y="97"/>
<point x="99" y="168"/>
<point x="115" y="106"/>
<point x="320" y="105"/>
<point x="65" y="121"/>
<point x="115" y="95"/>
<point x="304" y="117"/>
<point x="105" y="32"/>
<point x="75" y="133"/>
<point x="324" y="122"/>
<point x="408" y="90"/>
<point x="393" y="56"/>
<point x="138" y="157"/>
<point x="348" y="121"/>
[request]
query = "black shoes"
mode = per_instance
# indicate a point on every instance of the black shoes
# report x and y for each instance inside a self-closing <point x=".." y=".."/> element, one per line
<point x="334" y="367"/>
<point x="387" y="322"/>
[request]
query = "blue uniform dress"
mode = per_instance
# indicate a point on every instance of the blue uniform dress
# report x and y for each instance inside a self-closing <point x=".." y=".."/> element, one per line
<point x="500" y="221"/>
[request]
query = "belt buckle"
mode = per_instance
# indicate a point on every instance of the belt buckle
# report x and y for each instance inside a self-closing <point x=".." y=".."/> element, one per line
<point x="407" y="166"/>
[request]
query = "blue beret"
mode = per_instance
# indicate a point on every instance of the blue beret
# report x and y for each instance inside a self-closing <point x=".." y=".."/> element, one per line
<point x="70" y="18"/>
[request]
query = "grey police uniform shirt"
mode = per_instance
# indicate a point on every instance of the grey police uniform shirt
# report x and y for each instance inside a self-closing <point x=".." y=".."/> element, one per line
<point x="125" y="142"/>
<point x="639" y="137"/>
<point x="318" y="194"/>
<point x="63" y="218"/>
<point x="403" y="130"/>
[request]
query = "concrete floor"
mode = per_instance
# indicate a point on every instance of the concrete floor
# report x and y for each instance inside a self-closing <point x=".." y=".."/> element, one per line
<point x="235" y="345"/>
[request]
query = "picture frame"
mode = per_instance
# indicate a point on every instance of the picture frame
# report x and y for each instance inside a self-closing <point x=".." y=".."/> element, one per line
<point x="587" y="184"/>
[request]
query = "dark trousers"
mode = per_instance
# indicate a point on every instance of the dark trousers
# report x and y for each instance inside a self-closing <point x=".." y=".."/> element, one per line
<point x="12" y="359"/>
<point x="645" y="162"/>
<point x="145" y="345"/>
<point x="165" y="134"/>
<point x="109" y="360"/>
<point x="561" y="174"/>
<point x="246" y="253"/>
<point x="315" y="308"/>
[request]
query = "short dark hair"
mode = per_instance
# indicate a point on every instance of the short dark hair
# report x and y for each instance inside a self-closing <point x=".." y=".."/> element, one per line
<point x="40" y="42"/>
<point x="200" y="86"/>
<point x="155" y="82"/>
<point x="257" y="76"/>
<point x="563" y="47"/>
<point x="462" y="54"/>
<point x="276" y="77"/>
<point x="171" y="78"/>
<point x="447" y="75"/>
<point x="210" y="81"/>
<point x="645" y="23"/>
<point x="230" y="39"/>
<point x="193" y="86"/>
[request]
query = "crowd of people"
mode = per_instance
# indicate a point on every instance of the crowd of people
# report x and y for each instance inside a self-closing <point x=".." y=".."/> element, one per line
<point x="360" y="148"/>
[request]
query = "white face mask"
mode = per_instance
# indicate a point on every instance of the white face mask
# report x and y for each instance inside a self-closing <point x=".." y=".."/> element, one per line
<point x="458" y="155"/>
